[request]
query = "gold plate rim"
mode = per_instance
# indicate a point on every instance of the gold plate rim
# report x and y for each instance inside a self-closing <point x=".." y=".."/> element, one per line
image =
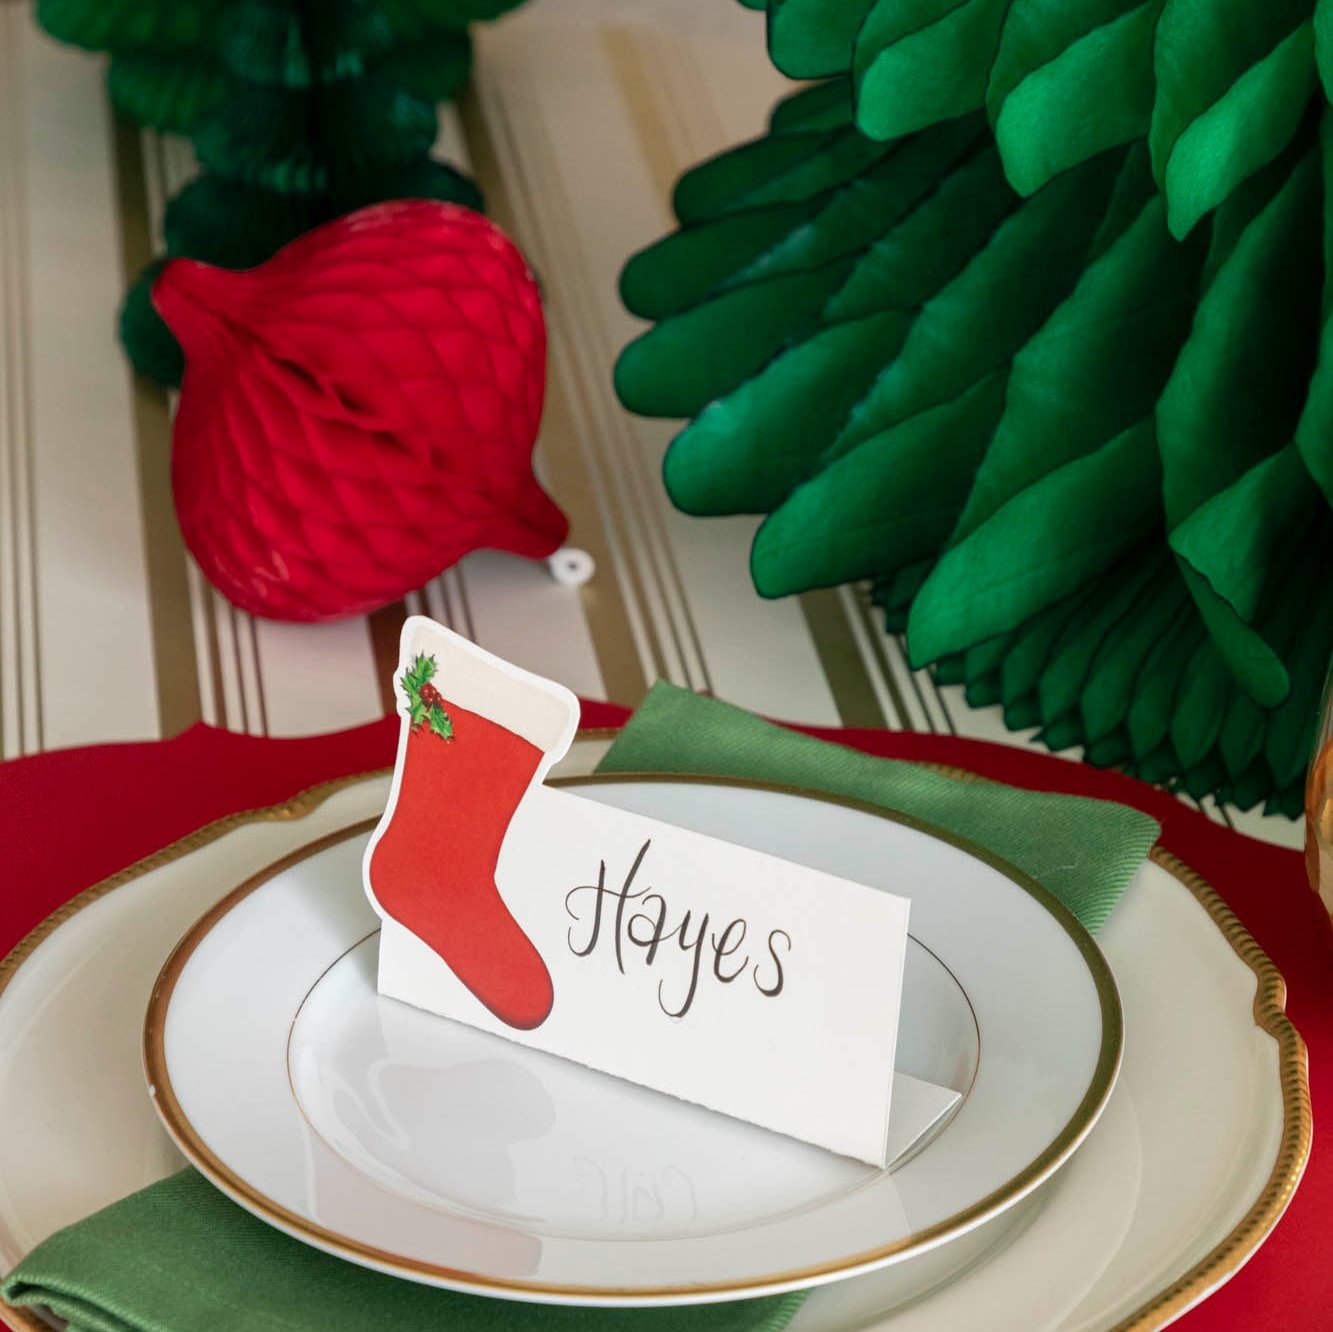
<point x="1222" y="1261"/>
<point x="1037" y="1171"/>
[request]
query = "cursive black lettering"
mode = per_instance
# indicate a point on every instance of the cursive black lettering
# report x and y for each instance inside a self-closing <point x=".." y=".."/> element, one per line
<point x="652" y="940"/>
<point x="642" y="916"/>
<point x="600" y="893"/>
<point x="626" y="895"/>
<point x="598" y="890"/>
<point x="721" y="950"/>
<point x="696" y="947"/>
<point x="772" y="991"/>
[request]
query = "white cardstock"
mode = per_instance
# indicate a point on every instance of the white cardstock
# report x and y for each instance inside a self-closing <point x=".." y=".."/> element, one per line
<point x="757" y="987"/>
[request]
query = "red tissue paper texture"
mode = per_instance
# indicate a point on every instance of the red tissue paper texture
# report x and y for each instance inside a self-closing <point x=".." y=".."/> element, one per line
<point x="359" y="412"/>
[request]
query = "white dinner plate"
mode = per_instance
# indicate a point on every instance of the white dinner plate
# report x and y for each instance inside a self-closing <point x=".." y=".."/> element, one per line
<point x="1201" y="1146"/>
<point x="432" y="1151"/>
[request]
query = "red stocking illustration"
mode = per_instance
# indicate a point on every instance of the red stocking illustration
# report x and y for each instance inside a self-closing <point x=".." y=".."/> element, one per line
<point x="462" y="776"/>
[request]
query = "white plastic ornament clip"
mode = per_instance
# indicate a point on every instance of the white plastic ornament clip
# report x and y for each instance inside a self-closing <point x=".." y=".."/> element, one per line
<point x="571" y="567"/>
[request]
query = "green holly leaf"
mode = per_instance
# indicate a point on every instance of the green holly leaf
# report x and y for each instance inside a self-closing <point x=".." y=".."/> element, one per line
<point x="440" y="723"/>
<point x="418" y="673"/>
<point x="412" y="679"/>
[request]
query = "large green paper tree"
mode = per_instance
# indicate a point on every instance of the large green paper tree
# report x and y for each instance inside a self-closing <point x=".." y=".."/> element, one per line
<point x="1022" y="316"/>
<point x="299" y="111"/>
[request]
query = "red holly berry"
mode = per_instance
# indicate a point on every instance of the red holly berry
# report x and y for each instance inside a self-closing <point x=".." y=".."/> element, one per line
<point x="358" y="412"/>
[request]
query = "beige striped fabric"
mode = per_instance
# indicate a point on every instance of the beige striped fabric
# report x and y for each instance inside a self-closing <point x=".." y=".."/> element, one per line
<point x="582" y="114"/>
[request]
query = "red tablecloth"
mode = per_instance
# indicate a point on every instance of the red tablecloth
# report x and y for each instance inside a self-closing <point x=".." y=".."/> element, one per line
<point x="70" y="818"/>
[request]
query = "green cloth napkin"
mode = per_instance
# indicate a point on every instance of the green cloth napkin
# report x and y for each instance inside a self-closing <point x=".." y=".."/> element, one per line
<point x="1084" y="851"/>
<point x="180" y="1257"/>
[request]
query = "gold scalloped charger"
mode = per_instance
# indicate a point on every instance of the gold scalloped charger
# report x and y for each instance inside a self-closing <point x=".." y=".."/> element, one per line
<point x="1214" y="1075"/>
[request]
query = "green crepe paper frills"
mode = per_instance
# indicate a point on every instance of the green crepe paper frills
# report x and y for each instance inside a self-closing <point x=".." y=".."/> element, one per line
<point x="236" y="226"/>
<point x="1040" y="545"/>
<point x="1130" y="309"/>
<point x="1314" y="432"/>
<point x="150" y="344"/>
<point x="682" y="270"/>
<point x="434" y="70"/>
<point x="1236" y="391"/>
<point x="1068" y="447"/>
<point x="171" y="91"/>
<point x="772" y="426"/>
<point x="893" y="593"/>
<point x="811" y="39"/>
<point x="824" y="105"/>
<point x="131" y="25"/>
<point x="1074" y="647"/>
<point x="916" y="62"/>
<point x="266" y="42"/>
<point x="1055" y="59"/>
<point x="1023" y="264"/>
<point x="1228" y="548"/>
<point x="1234" y="398"/>
<point x="367" y="124"/>
<point x="298" y="113"/>
<point x="891" y="501"/>
<point x="789" y="167"/>
<point x="197" y="220"/>
<point x="1233" y="79"/>
<point x="413" y="19"/>
<point x="661" y="374"/>
<point x="920" y="254"/>
<point x="1219" y="88"/>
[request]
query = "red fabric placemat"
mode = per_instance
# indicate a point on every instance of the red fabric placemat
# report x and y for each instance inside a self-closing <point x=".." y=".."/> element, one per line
<point x="71" y="818"/>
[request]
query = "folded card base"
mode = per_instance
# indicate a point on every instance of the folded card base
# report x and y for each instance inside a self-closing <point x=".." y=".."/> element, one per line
<point x="689" y="964"/>
<point x="919" y="1107"/>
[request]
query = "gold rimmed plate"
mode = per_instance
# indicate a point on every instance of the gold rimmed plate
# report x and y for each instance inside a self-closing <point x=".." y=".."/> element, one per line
<point x="1204" y="1025"/>
<point x="456" y="1158"/>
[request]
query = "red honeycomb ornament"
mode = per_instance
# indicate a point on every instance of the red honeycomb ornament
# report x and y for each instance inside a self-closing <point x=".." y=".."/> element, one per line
<point x="359" y="412"/>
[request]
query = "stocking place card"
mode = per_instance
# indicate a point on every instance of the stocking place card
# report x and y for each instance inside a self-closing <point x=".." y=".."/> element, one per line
<point x="751" y="985"/>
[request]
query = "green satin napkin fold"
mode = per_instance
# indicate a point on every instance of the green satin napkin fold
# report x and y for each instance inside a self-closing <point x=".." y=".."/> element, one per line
<point x="178" y="1256"/>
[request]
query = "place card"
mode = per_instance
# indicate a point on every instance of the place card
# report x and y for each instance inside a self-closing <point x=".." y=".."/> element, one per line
<point x="754" y="986"/>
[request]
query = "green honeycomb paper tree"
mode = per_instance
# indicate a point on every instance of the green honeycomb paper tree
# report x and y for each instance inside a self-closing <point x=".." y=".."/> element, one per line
<point x="1022" y="314"/>
<point x="299" y="111"/>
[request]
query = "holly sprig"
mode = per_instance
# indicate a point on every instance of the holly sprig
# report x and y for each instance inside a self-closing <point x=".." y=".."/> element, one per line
<point x="425" y="707"/>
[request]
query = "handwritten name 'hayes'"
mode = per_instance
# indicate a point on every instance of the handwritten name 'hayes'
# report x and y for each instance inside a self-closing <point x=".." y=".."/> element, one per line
<point x="629" y="918"/>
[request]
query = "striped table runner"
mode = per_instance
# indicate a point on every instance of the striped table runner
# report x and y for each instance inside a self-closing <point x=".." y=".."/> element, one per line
<point x="581" y="116"/>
